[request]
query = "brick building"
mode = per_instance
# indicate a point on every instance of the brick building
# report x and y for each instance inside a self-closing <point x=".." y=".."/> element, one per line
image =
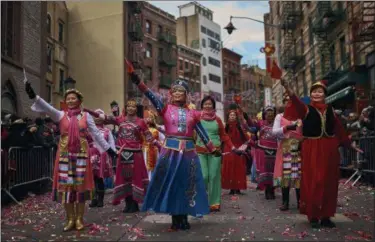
<point x="255" y="81"/>
<point x="152" y="45"/>
<point x="325" y="40"/>
<point x="23" y="47"/>
<point x="57" y="67"/>
<point x="231" y="71"/>
<point x="189" y="69"/>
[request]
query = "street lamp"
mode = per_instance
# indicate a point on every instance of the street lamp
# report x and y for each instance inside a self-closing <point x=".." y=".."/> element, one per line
<point x="230" y="27"/>
<point x="69" y="83"/>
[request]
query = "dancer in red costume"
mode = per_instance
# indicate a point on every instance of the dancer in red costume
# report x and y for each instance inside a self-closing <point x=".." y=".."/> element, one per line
<point x="323" y="133"/>
<point x="101" y="163"/>
<point x="233" y="172"/>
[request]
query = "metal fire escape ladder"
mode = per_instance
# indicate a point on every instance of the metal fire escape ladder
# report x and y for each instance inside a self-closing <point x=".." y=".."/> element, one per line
<point x="366" y="30"/>
<point x="290" y="17"/>
<point x="323" y="18"/>
<point x="136" y="37"/>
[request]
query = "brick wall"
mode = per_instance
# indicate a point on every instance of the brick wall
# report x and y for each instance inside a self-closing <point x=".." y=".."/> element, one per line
<point x="31" y="58"/>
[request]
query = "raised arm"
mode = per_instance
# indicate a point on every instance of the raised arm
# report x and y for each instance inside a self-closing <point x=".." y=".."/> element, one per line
<point x="108" y="119"/>
<point x="96" y="135"/>
<point x="295" y="106"/>
<point x="158" y="104"/>
<point x="223" y="135"/>
<point x="42" y="106"/>
<point x="277" y="130"/>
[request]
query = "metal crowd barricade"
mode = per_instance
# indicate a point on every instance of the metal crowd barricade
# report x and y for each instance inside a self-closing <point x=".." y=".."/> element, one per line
<point x="361" y="163"/>
<point x="31" y="165"/>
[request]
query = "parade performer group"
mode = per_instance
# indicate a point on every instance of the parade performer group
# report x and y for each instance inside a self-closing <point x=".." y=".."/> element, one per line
<point x="180" y="168"/>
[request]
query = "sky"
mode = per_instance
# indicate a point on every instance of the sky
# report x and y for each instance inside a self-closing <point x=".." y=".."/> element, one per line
<point x="249" y="36"/>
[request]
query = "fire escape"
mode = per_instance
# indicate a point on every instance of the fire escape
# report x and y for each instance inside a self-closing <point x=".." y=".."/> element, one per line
<point x="363" y="28"/>
<point x="136" y="37"/>
<point x="166" y="57"/>
<point x="291" y="56"/>
<point x="326" y="19"/>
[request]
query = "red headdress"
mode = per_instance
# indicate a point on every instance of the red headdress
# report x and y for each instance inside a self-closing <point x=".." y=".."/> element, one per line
<point x="321" y="83"/>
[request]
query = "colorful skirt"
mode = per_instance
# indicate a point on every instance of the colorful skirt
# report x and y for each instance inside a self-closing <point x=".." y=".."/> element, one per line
<point x="73" y="178"/>
<point x="177" y="186"/>
<point x="265" y="165"/>
<point x="131" y="176"/>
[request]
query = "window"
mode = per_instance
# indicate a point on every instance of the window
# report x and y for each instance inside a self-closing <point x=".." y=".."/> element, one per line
<point x="214" y="62"/>
<point x="49" y="56"/>
<point x="62" y="79"/>
<point x="214" y="78"/>
<point x="159" y="29"/>
<point x="204" y="79"/>
<point x="160" y="53"/>
<point x="311" y="35"/>
<point x="213" y="44"/>
<point x="49" y="93"/>
<point x="11" y="29"/>
<point x="197" y="71"/>
<point x="148" y="27"/>
<point x="49" y="23"/>
<point x="332" y="60"/>
<point x="304" y="83"/>
<point x="203" y="29"/>
<point x="217" y="37"/>
<point x="148" y="74"/>
<point x="186" y="65"/>
<point x="312" y="73"/>
<point x="342" y="49"/>
<point x="210" y="33"/>
<point x="181" y="65"/>
<point x="148" y="52"/>
<point x="203" y="42"/>
<point x="61" y="32"/>
<point x="204" y="61"/>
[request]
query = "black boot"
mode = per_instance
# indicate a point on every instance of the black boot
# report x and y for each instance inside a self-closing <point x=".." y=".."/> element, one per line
<point x="175" y="223"/>
<point x="94" y="201"/>
<point x="231" y="192"/>
<point x="285" y="197"/>
<point x="134" y="207"/>
<point x="100" y="193"/>
<point x="184" y="222"/>
<point x="298" y="195"/>
<point x="100" y="199"/>
<point x="267" y="193"/>
<point x="326" y="222"/>
<point x="272" y="193"/>
<point x="128" y="203"/>
<point x="315" y="223"/>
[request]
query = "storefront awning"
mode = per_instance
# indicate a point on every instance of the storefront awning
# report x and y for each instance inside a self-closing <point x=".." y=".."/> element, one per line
<point x="349" y="78"/>
<point x="340" y="94"/>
